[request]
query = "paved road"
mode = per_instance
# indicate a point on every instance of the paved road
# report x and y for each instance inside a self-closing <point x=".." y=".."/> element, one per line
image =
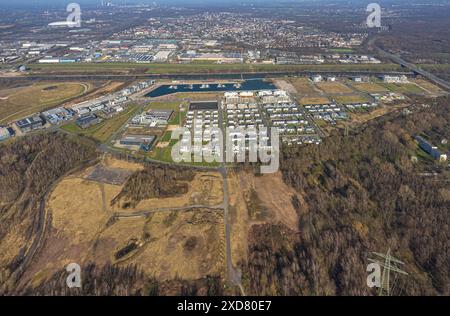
<point x="234" y="274"/>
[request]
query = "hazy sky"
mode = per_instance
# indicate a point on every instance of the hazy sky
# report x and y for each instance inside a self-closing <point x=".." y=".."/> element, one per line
<point x="56" y="3"/>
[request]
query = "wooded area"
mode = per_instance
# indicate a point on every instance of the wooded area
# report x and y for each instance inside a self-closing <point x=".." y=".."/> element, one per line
<point x="359" y="194"/>
<point x="355" y="195"/>
<point x="153" y="182"/>
<point x="29" y="167"/>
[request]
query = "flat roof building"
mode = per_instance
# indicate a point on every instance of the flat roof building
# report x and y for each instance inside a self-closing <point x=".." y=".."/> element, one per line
<point x="433" y="151"/>
<point x="144" y="142"/>
<point x="87" y="121"/>
<point x="57" y="115"/>
<point x="160" y="115"/>
<point x="30" y="123"/>
<point x="4" y="133"/>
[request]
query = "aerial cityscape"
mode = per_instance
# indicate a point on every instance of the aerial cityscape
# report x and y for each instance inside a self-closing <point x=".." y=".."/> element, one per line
<point x="214" y="148"/>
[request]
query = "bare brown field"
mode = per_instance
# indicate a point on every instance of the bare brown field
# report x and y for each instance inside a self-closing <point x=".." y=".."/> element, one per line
<point x="303" y="86"/>
<point x="16" y="103"/>
<point x="370" y="87"/>
<point x="11" y="243"/>
<point x="172" y="127"/>
<point x="247" y="194"/>
<point x="238" y="217"/>
<point x="121" y="164"/>
<point x="428" y="86"/>
<point x="168" y="244"/>
<point x="205" y="189"/>
<point x="284" y="85"/>
<point x="359" y="118"/>
<point x="162" y="144"/>
<point x="80" y="212"/>
<point x="276" y="196"/>
<point x="100" y="89"/>
<point x="333" y="87"/>
<point x="184" y="244"/>
<point x="315" y="100"/>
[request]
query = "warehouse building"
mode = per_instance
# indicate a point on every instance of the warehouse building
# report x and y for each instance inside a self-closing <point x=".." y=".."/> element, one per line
<point x="161" y="116"/>
<point x="144" y="142"/>
<point x="433" y="151"/>
<point x="219" y="57"/>
<point x="4" y="133"/>
<point x="57" y="115"/>
<point x="87" y="121"/>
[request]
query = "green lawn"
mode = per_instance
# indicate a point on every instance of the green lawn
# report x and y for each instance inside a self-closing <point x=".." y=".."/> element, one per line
<point x="431" y="67"/>
<point x="165" y="154"/>
<point x="341" y="50"/>
<point x="163" y="105"/>
<point x="404" y="88"/>
<point x="154" y="68"/>
<point x="177" y="118"/>
<point x="103" y="131"/>
<point x="166" y="137"/>
<point x="72" y="128"/>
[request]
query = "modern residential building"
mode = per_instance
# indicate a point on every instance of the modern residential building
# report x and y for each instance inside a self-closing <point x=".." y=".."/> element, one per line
<point x="395" y="79"/>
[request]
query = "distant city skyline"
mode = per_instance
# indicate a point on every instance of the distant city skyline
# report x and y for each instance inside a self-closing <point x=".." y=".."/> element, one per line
<point x="36" y="3"/>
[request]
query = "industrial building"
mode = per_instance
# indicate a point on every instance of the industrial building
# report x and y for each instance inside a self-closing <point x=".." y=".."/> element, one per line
<point x="152" y="118"/>
<point x="4" y="133"/>
<point x="87" y="121"/>
<point x="162" y="56"/>
<point x="433" y="151"/>
<point x="144" y="142"/>
<point x="161" y="116"/>
<point x="219" y="57"/>
<point x="55" y="116"/>
<point x="30" y="123"/>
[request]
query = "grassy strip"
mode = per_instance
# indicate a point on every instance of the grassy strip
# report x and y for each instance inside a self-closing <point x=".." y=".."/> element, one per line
<point x="206" y="68"/>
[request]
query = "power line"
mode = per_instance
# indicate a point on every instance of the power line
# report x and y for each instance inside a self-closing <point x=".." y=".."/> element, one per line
<point x="389" y="264"/>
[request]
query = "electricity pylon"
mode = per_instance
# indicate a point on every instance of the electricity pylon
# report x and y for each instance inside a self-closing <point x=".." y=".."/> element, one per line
<point x="346" y="130"/>
<point x="389" y="264"/>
